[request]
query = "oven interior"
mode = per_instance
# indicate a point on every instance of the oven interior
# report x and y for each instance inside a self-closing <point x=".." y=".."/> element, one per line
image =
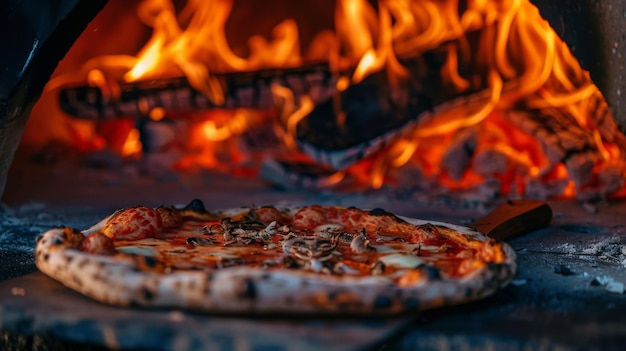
<point x="99" y="138"/>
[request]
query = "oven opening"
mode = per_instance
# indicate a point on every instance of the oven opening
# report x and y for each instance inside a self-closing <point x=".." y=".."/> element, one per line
<point x="433" y="109"/>
<point x="439" y="97"/>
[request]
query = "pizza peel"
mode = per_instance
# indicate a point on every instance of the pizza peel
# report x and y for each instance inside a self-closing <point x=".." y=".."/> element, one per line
<point x="514" y="218"/>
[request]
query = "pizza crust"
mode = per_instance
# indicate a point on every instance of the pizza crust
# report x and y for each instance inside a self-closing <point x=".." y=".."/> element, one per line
<point x="117" y="280"/>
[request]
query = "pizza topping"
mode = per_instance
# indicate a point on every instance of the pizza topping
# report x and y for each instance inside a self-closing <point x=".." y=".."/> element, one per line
<point x="197" y="241"/>
<point x="401" y="261"/>
<point x="309" y="217"/>
<point x="378" y="268"/>
<point x="268" y="231"/>
<point x="309" y="248"/>
<point x="330" y="240"/>
<point x="269" y="214"/>
<point x="170" y="217"/>
<point x="361" y="244"/>
<point x="146" y="251"/>
<point x="228" y="225"/>
<point x="133" y="223"/>
<point x="329" y="228"/>
<point x="410" y="278"/>
<point x="99" y="244"/>
<point x="241" y="236"/>
<point x="342" y="268"/>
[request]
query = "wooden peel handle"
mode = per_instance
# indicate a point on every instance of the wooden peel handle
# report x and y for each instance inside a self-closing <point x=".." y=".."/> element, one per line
<point x="514" y="218"/>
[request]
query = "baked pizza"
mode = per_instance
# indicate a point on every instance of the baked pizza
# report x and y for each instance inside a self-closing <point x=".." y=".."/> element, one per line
<point x="312" y="260"/>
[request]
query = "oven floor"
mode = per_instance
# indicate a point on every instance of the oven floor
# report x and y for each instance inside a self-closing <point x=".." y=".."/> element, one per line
<point x="568" y="293"/>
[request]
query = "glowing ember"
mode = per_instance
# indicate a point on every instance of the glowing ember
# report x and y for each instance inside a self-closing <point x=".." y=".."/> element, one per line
<point x="519" y="86"/>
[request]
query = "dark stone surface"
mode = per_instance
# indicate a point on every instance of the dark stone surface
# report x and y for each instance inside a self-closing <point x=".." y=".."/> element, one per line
<point x="37" y="305"/>
<point x="548" y="311"/>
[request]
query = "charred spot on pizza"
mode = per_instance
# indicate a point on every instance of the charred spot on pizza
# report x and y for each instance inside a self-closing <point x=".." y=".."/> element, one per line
<point x="486" y="289"/>
<point x="271" y="263"/>
<point x="411" y="303"/>
<point x="196" y="205"/>
<point x="76" y="280"/>
<point x="342" y="299"/>
<point x="195" y="211"/>
<point x="147" y="294"/>
<point x="97" y="276"/>
<point x="383" y="302"/>
<point x="291" y="263"/>
<point x="206" y="288"/>
<point x="177" y="284"/>
<point x="192" y="285"/>
<point x="150" y="261"/>
<point x="379" y="212"/>
<point x="72" y="235"/>
<point x="431" y="272"/>
<point x="58" y="241"/>
<point x="46" y="257"/>
<point x="143" y="262"/>
<point x="231" y="262"/>
<point x="251" y="215"/>
<point x="248" y="289"/>
<point x="429" y="228"/>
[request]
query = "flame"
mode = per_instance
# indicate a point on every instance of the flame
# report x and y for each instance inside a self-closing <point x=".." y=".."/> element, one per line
<point x="516" y="60"/>
<point x="132" y="145"/>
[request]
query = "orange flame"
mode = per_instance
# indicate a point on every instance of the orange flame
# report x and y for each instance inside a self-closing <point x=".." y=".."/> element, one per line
<point x="517" y="61"/>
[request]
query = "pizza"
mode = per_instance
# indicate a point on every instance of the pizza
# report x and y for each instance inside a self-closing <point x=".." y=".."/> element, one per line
<point x="306" y="260"/>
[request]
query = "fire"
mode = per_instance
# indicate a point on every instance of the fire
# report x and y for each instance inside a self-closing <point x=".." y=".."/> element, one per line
<point x="500" y="54"/>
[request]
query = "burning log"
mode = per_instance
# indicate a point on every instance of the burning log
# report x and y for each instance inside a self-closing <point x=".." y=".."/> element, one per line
<point x="241" y="89"/>
<point x="343" y="128"/>
<point x="299" y="175"/>
<point x="369" y="119"/>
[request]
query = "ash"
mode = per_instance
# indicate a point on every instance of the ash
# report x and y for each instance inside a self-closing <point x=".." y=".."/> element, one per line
<point x="608" y="249"/>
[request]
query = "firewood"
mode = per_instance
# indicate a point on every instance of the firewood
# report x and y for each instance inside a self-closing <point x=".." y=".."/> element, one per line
<point x="241" y="90"/>
<point x="343" y="128"/>
<point x="371" y="118"/>
<point x="559" y="132"/>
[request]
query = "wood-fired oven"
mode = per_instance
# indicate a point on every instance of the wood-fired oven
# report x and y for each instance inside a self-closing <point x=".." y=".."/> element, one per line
<point x="428" y="108"/>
